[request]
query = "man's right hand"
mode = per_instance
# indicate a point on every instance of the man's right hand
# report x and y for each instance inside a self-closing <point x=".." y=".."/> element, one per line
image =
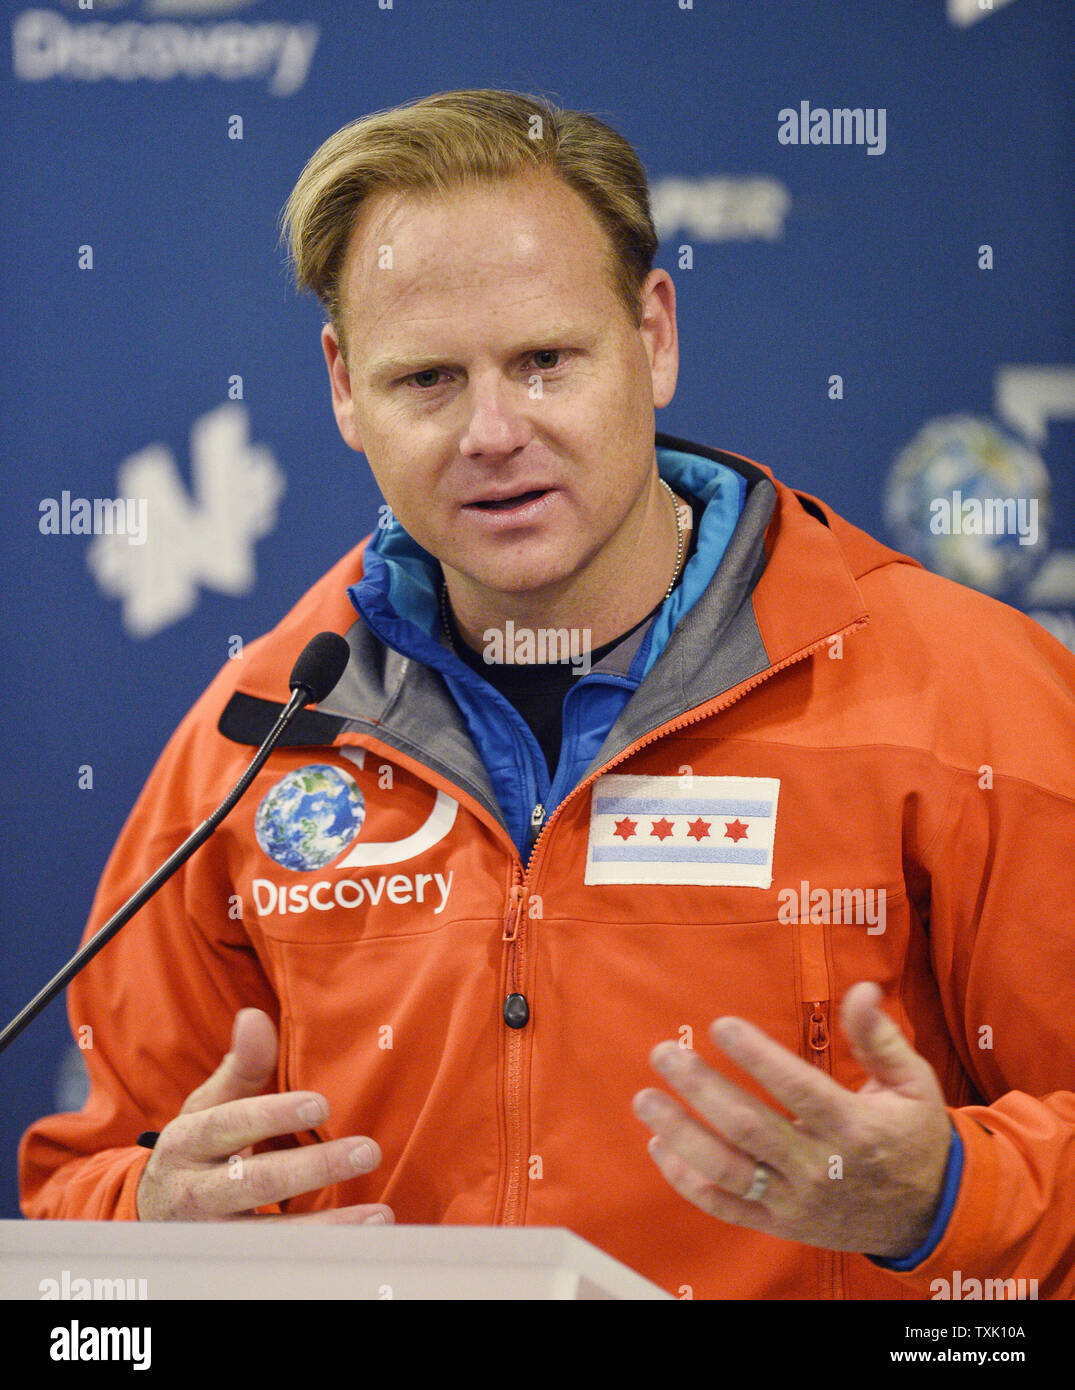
<point x="193" y="1175"/>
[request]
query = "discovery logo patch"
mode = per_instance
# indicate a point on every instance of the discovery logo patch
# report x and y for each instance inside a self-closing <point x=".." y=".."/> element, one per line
<point x="325" y="894"/>
<point x="315" y="813"/>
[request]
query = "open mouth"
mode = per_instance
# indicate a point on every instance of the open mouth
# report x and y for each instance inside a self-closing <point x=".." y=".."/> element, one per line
<point x="508" y="503"/>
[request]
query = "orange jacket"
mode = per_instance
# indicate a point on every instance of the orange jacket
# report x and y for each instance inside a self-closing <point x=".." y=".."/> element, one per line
<point x="909" y="734"/>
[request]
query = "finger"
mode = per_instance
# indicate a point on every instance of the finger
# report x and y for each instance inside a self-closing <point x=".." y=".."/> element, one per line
<point x="880" y="1045"/>
<point x="246" y="1069"/>
<point x="229" y="1189"/>
<point x="801" y="1087"/>
<point x="370" y="1215"/>
<point x="746" y="1122"/>
<point x="707" y="1197"/>
<point x="709" y="1156"/>
<point x="208" y="1136"/>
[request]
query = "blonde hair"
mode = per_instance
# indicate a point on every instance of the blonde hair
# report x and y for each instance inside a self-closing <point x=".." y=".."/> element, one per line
<point x="454" y="139"/>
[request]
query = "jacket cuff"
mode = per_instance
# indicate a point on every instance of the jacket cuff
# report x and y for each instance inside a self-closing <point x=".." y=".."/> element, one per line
<point x="949" y="1192"/>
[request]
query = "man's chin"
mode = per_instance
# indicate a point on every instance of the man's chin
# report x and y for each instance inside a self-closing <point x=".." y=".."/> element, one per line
<point x="522" y="583"/>
<point x="529" y="588"/>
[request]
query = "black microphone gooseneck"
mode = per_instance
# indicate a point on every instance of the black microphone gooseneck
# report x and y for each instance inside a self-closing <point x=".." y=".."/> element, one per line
<point x="320" y="665"/>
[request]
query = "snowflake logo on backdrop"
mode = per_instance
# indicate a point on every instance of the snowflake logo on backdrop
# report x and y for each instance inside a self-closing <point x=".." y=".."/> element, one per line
<point x="200" y="539"/>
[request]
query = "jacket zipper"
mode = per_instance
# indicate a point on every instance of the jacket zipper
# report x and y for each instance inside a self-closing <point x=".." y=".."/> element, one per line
<point x="815" y="990"/>
<point x="513" y="1058"/>
<point x="514" y="931"/>
<point x="815" y="1007"/>
<point x="819" y="1034"/>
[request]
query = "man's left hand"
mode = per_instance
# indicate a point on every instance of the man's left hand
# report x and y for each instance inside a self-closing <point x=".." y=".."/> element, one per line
<point x="852" y="1170"/>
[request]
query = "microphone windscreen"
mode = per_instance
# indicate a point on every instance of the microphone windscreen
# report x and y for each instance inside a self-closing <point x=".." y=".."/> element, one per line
<point x="320" y="665"/>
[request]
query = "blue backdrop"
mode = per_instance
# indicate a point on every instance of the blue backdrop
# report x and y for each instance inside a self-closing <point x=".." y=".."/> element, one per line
<point x="883" y="321"/>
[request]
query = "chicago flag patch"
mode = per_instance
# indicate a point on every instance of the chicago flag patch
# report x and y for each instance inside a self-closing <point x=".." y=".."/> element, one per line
<point x="687" y="829"/>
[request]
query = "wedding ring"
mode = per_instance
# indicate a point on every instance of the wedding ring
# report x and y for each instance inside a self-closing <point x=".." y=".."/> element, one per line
<point x="756" y="1191"/>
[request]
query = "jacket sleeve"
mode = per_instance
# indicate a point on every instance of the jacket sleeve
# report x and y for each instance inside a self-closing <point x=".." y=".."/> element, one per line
<point x="153" y="1010"/>
<point x="1001" y="865"/>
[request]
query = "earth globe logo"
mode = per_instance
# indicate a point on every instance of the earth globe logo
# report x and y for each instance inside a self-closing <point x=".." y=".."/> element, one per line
<point x="309" y="816"/>
<point x="981" y="462"/>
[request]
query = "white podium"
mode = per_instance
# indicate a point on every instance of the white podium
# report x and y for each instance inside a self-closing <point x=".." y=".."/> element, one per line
<point x="113" y="1260"/>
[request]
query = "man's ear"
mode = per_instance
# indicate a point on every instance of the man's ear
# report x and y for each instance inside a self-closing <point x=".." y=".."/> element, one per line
<point x="659" y="334"/>
<point x="340" y="381"/>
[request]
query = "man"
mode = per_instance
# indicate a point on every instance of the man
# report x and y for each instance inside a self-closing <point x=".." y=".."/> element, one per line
<point x="790" y="796"/>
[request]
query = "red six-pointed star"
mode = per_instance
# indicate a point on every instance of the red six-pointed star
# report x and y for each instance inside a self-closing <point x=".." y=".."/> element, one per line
<point x="735" y="830"/>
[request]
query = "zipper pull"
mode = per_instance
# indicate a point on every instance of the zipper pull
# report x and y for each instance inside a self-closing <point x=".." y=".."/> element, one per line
<point x="537" y="820"/>
<point x="514" y="913"/>
<point x="516" y="1011"/>
<point x="819" y="1033"/>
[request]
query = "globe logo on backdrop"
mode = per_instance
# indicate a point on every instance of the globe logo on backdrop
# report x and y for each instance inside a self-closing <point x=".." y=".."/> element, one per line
<point x="952" y="474"/>
<point x="309" y="816"/>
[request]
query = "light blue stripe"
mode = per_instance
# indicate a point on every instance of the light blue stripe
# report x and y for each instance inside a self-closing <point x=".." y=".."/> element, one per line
<point x="682" y="854"/>
<point x="674" y="806"/>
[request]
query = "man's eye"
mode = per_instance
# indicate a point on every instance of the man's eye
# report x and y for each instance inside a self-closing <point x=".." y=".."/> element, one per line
<point x="545" y="359"/>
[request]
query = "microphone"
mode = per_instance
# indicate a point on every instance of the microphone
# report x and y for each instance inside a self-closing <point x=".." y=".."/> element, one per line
<point x="319" y="667"/>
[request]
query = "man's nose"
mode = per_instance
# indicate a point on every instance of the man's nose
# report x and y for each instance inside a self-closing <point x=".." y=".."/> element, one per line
<point x="498" y="421"/>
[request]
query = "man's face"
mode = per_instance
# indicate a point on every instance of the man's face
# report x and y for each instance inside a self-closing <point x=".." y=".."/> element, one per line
<point x="489" y="358"/>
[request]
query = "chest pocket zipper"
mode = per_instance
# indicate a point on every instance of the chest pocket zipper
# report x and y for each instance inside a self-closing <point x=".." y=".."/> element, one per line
<point x="814" y="992"/>
<point x="815" y="1002"/>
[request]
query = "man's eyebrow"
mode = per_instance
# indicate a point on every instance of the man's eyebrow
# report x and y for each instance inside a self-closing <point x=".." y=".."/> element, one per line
<point x="385" y="368"/>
